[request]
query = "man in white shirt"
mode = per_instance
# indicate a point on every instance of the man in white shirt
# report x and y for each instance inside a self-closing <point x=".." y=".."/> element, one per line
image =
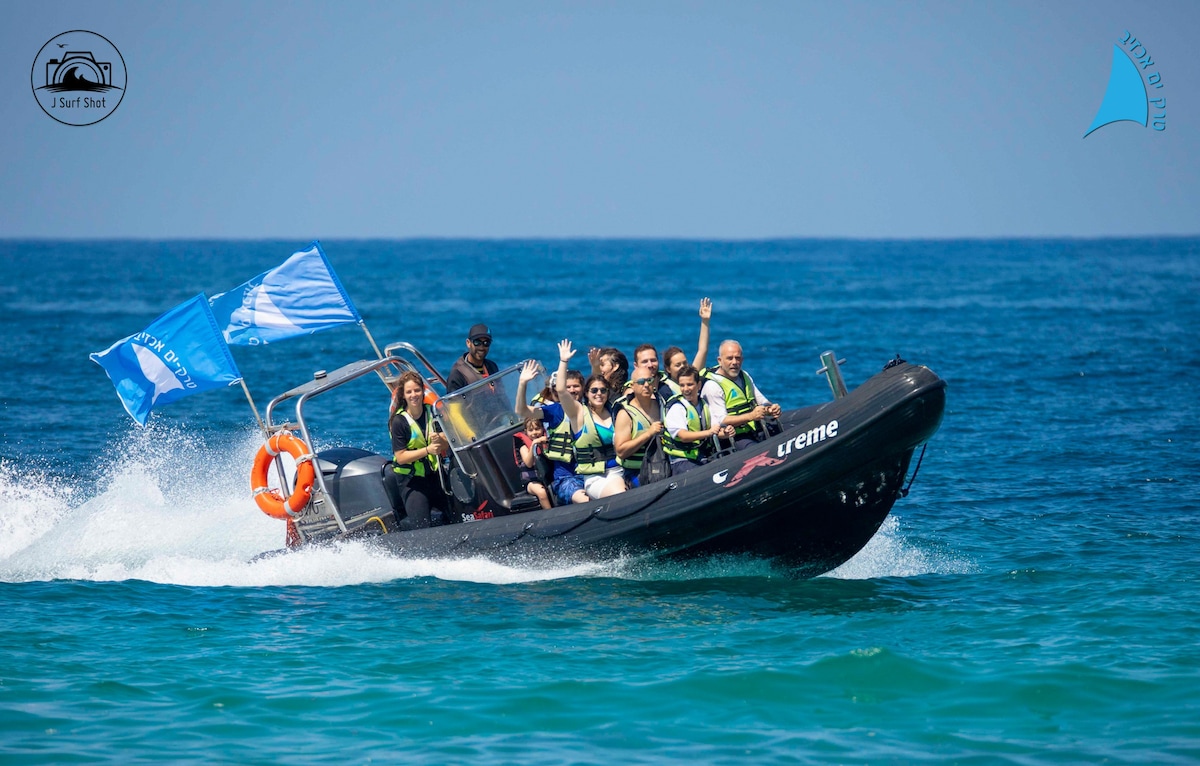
<point x="734" y="400"/>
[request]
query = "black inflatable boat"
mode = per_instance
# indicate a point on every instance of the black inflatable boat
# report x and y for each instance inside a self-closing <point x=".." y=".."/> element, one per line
<point x="810" y="496"/>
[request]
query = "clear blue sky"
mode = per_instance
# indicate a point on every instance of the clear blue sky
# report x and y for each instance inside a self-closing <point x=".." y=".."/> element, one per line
<point x="618" y="119"/>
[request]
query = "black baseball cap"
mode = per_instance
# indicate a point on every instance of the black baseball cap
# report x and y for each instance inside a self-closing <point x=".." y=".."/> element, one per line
<point x="479" y="331"/>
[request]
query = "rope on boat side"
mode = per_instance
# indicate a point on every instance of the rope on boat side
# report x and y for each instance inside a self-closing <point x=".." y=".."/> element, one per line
<point x="904" y="492"/>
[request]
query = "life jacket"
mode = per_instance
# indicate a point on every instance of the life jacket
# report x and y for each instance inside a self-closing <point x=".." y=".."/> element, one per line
<point x="738" y="401"/>
<point x="521" y="439"/>
<point x="469" y="372"/>
<point x="672" y="388"/>
<point x="591" y="454"/>
<point x="697" y="420"/>
<point x="418" y="440"/>
<point x="641" y="422"/>
<point x="561" y="446"/>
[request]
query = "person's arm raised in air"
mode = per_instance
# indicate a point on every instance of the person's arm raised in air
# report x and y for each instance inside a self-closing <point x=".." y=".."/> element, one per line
<point x="702" y="344"/>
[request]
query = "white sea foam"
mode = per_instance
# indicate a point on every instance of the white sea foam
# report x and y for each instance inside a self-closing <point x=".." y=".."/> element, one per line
<point x="31" y="504"/>
<point x="890" y="554"/>
<point x="168" y="507"/>
<point x="172" y="509"/>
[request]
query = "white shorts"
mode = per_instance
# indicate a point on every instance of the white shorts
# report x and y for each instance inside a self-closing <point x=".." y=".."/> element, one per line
<point x="594" y="484"/>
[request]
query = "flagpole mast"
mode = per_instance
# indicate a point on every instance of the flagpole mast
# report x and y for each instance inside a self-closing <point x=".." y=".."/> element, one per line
<point x="378" y="353"/>
<point x="254" y="409"/>
<point x="374" y="345"/>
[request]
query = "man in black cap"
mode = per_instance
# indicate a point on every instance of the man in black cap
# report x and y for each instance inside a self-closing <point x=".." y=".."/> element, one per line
<point x="473" y="365"/>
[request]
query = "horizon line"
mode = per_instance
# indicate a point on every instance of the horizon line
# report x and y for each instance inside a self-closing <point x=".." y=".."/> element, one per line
<point x="607" y="238"/>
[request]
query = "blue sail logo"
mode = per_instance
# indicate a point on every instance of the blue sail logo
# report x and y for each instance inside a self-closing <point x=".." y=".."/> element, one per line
<point x="1126" y="97"/>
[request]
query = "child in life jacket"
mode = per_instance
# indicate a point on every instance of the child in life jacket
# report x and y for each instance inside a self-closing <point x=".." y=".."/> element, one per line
<point x="530" y="446"/>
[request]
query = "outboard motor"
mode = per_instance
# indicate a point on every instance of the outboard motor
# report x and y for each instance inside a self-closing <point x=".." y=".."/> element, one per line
<point x="362" y="486"/>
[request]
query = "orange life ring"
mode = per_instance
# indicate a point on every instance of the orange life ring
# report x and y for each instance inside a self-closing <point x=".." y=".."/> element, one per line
<point x="269" y="500"/>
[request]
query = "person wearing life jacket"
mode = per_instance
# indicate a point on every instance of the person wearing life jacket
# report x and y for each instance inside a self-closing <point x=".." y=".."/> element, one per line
<point x="416" y="449"/>
<point x="688" y="440"/>
<point x="528" y="446"/>
<point x="474" y="365"/>
<point x="733" y="399"/>
<point x="674" y="359"/>
<point x="613" y="366"/>
<point x="592" y="424"/>
<point x="638" y="421"/>
<point x="645" y="364"/>
<point x="566" y="485"/>
<point x="549" y="392"/>
<point x="548" y="395"/>
<point x="646" y="360"/>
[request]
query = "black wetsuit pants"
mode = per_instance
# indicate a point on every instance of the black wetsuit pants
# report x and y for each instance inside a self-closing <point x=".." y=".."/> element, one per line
<point x="424" y="502"/>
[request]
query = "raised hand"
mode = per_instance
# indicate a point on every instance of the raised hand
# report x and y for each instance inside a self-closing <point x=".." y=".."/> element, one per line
<point x="565" y="352"/>
<point x="530" y="371"/>
<point x="705" y="309"/>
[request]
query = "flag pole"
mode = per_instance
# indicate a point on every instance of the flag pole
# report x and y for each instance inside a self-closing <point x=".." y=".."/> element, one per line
<point x="378" y="353"/>
<point x="374" y="345"/>
<point x="254" y="409"/>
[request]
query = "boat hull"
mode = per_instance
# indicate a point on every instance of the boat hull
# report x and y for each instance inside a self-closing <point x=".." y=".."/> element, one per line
<point x="811" y="496"/>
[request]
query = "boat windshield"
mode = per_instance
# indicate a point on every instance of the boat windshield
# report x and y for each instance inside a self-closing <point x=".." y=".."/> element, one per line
<point x="481" y="410"/>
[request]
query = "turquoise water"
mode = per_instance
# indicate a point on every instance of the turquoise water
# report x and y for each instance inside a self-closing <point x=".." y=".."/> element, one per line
<point x="1034" y="600"/>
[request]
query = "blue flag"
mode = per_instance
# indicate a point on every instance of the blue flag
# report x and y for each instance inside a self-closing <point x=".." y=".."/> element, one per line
<point x="181" y="353"/>
<point x="299" y="297"/>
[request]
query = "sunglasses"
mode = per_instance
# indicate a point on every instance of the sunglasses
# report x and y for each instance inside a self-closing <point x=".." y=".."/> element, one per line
<point x="597" y="390"/>
<point x="482" y="342"/>
<point x="644" y="381"/>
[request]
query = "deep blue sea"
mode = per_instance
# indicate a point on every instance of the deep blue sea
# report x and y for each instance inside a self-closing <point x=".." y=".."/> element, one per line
<point x="1035" y="599"/>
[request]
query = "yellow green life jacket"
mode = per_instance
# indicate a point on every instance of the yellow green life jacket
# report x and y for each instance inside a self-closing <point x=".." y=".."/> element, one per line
<point x="738" y="401"/>
<point x="673" y="389"/>
<point x="560" y="447"/>
<point x="418" y="440"/>
<point x="641" y="422"/>
<point x="591" y="453"/>
<point x="697" y="420"/>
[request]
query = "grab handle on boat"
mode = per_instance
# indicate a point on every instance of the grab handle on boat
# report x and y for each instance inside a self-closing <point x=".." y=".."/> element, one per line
<point x="829" y="368"/>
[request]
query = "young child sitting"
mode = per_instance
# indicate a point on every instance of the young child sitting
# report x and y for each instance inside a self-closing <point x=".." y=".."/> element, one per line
<point x="530" y="446"/>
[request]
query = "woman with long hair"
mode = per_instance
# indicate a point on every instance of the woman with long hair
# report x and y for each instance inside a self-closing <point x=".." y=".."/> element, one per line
<point x="592" y="425"/>
<point x="613" y="366"/>
<point x="416" y="451"/>
<point x="674" y="359"/>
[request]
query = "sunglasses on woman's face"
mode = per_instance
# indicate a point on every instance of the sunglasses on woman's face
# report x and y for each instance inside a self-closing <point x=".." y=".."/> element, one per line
<point x="597" y="390"/>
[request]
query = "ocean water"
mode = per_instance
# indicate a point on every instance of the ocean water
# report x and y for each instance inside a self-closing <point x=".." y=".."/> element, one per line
<point x="1035" y="599"/>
